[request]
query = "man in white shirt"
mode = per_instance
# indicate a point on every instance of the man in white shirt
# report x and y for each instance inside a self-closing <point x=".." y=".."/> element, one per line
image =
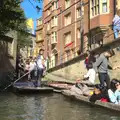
<point x="89" y="78"/>
<point x="40" y="67"/>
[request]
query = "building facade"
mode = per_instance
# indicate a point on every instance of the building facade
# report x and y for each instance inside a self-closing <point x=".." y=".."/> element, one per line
<point x="39" y="36"/>
<point x="76" y="25"/>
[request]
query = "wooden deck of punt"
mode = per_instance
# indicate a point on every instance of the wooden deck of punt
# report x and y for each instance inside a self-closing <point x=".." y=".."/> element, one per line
<point x="81" y="98"/>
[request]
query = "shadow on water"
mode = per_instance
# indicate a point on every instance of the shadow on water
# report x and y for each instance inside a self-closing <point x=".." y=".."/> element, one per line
<point x="49" y="107"/>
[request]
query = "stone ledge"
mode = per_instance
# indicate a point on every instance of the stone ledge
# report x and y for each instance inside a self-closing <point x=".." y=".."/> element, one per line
<point x="58" y="79"/>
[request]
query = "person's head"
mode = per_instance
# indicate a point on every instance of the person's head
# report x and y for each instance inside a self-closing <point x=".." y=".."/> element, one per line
<point x="107" y="54"/>
<point x="90" y="66"/>
<point x="27" y="61"/>
<point x="30" y="58"/>
<point x="118" y="12"/>
<point x="114" y="84"/>
<point x="98" y="89"/>
<point x="41" y="52"/>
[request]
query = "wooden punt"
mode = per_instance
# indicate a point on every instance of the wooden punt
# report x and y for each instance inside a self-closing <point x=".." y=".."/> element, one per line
<point x="28" y="87"/>
<point x="82" y="98"/>
<point x="60" y="85"/>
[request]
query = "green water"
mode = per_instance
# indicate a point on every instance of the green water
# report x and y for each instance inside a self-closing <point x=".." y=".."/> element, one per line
<point x="49" y="107"/>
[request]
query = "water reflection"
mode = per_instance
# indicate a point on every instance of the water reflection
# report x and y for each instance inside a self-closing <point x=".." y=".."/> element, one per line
<point x="49" y="107"/>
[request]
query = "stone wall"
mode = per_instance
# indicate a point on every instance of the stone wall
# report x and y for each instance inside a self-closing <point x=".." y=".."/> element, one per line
<point x="76" y="68"/>
<point x="8" y="49"/>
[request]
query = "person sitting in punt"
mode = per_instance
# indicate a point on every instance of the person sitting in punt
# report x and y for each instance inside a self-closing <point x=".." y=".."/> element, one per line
<point x="114" y="91"/>
<point x="99" y="93"/>
<point x="80" y="89"/>
<point x="89" y="78"/>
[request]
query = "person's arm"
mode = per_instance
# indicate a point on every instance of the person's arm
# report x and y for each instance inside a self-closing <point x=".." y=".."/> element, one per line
<point x="99" y="60"/>
<point x="112" y="96"/>
<point x="110" y="65"/>
<point x="88" y="74"/>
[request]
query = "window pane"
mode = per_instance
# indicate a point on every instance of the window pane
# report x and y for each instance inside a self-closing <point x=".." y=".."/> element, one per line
<point x="92" y="3"/>
<point x="104" y="1"/>
<point x="104" y="7"/>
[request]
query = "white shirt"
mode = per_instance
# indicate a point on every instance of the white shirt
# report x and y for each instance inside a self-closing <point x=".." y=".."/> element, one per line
<point x="32" y="66"/>
<point x="91" y="75"/>
<point x="39" y="62"/>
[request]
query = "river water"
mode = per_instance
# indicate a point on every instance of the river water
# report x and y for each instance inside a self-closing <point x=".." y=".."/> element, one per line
<point x="49" y="107"/>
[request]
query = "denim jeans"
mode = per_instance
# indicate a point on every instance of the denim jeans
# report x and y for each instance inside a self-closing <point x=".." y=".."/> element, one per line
<point x="116" y="30"/>
<point x="38" y="77"/>
<point x="104" y="78"/>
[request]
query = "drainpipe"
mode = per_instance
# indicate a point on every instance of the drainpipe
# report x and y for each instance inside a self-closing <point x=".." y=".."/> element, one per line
<point x="61" y="38"/>
<point x="89" y="31"/>
<point x="114" y="6"/>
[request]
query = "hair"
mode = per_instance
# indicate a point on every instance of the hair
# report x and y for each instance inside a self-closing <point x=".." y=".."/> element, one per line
<point x="90" y="66"/>
<point x="99" y="86"/>
<point x="118" y="12"/>
<point x="102" y="88"/>
<point x="41" y="50"/>
<point x="113" y="84"/>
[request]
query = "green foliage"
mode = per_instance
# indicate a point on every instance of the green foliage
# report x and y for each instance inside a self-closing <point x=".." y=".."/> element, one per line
<point x="11" y="16"/>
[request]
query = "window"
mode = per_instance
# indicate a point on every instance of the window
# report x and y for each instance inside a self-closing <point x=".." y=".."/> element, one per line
<point x="67" y="3"/>
<point x="39" y="22"/>
<point x="104" y="6"/>
<point x="68" y="19"/>
<point x="54" y="37"/>
<point x="95" y="7"/>
<point x="48" y="26"/>
<point x="99" y="7"/>
<point x="79" y="12"/>
<point x="54" y="21"/>
<point x="55" y="5"/>
<point x="78" y="33"/>
<point x="67" y="38"/>
<point x="39" y="36"/>
<point x="48" y="11"/>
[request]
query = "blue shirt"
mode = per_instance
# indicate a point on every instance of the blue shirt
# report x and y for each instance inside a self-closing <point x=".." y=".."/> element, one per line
<point x="114" y="96"/>
<point x="116" y="21"/>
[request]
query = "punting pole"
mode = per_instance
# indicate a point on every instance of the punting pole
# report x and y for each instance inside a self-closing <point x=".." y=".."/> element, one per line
<point x="16" y="81"/>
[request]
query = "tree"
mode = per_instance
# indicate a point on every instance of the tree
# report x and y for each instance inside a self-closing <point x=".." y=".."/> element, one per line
<point x="11" y="16"/>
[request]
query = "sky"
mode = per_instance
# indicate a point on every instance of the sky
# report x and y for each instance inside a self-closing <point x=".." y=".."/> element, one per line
<point x="29" y="7"/>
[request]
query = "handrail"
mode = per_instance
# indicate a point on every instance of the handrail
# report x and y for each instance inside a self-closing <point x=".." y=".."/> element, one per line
<point x="16" y="81"/>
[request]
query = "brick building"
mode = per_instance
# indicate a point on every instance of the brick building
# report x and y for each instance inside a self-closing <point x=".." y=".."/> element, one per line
<point x="39" y="36"/>
<point x="72" y="25"/>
